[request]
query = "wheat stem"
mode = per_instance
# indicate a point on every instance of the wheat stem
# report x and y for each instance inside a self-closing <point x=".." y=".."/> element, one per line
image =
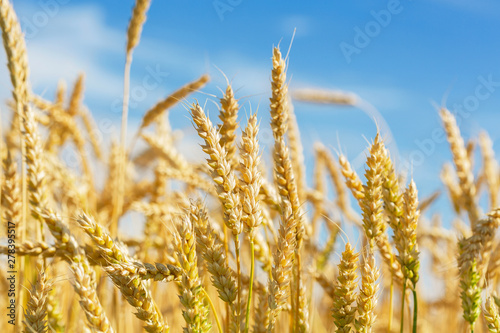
<point x="415" y="311"/>
<point x="250" y="287"/>
<point x="212" y="307"/>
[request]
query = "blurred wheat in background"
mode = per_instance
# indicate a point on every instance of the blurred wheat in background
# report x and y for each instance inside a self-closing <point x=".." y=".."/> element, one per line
<point x="226" y="245"/>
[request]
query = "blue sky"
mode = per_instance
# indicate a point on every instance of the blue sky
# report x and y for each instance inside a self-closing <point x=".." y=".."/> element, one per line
<point x="424" y="53"/>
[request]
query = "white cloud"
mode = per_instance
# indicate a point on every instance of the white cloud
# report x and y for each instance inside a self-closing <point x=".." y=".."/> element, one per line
<point x="303" y="24"/>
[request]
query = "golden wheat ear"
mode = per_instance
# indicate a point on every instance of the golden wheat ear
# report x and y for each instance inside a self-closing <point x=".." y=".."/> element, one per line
<point x="342" y="312"/>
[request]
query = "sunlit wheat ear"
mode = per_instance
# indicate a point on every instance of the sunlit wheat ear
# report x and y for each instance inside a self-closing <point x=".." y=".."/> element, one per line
<point x="211" y="248"/>
<point x="470" y="294"/>
<point x="76" y="98"/>
<point x="251" y="178"/>
<point x="279" y="99"/>
<point x="17" y="59"/>
<point x="132" y="287"/>
<point x="133" y="35"/>
<point x="303" y="309"/>
<point x="55" y="318"/>
<point x="335" y="97"/>
<point x="17" y="63"/>
<point x="36" y="310"/>
<point x="492" y="315"/>
<point x="296" y="153"/>
<point x="195" y="312"/>
<point x="371" y="204"/>
<point x="60" y="94"/>
<point x="283" y="168"/>
<point x="136" y="22"/>
<point x="479" y="246"/>
<point x="343" y="312"/>
<point x="351" y="178"/>
<point x="159" y="108"/>
<point x="405" y="236"/>
<point x="454" y="190"/>
<point x="85" y="278"/>
<point x="462" y="165"/>
<point x="490" y="168"/>
<point x="11" y="195"/>
<point x="367" y="297"/>
<point x="35" y="164"/>
<point x="222" y="174"/>
<point x="393" y="200"/>
<point x="229" y="116"/>
<point x="279" y="285"/>
<point x="250" y="185"/>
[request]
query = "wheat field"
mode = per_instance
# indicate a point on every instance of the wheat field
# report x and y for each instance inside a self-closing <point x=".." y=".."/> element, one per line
<point x="230" y="244"/>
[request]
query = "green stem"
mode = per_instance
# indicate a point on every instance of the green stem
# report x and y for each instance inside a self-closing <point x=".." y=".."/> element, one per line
<point x="219" y="327"/>
<point x="415" y="311"/>
<point x="403" y="296"/>
<point x="250" y="288"/>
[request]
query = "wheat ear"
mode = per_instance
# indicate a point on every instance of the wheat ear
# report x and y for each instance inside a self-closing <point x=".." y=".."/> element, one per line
<point x="85" y="285"/>
<point x="462" y="165"/>
<point x="229" y="116"/>
<point x="492" y="315"/>
<point x="367" y="297"/>
<point x="132" y="288"/>
<point x="159" y="108"/>
<point x="36" y="310"/>
<point x="17" y="59"/>
<point x="490" y="168"/>
<point x="279" y="285"/>
<point x="195" y="312"/>
<point x="133" y="36"/>
<point x="283" y="168"/>
<point x="371" y="205"/>
<point x="11" y="196"/>
<point x="343" y="312"/>
<point x="326" y="97"/>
